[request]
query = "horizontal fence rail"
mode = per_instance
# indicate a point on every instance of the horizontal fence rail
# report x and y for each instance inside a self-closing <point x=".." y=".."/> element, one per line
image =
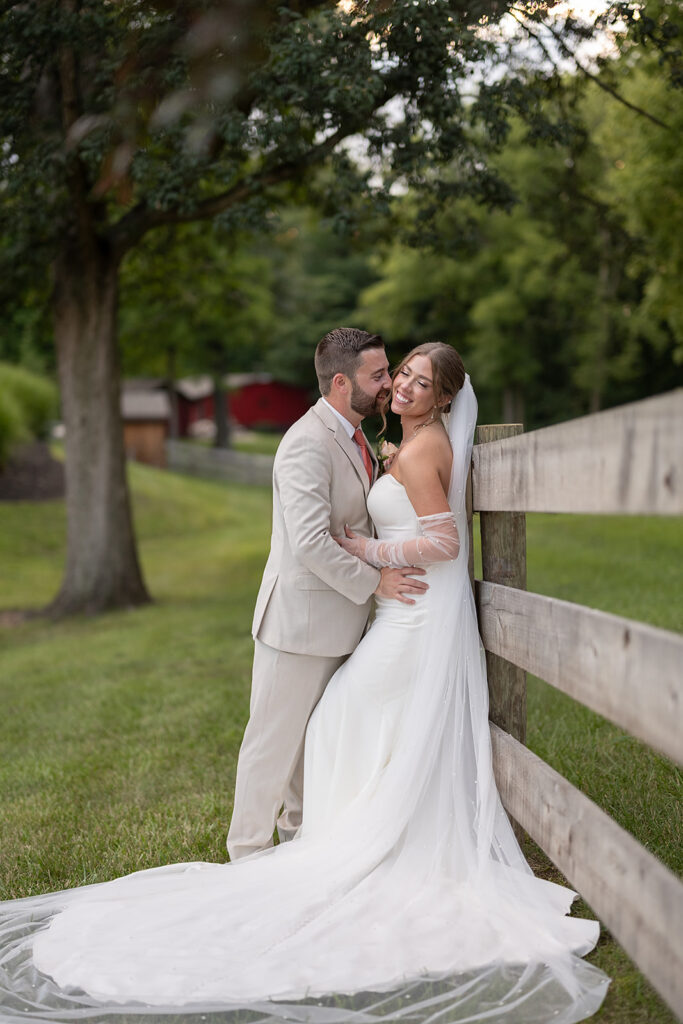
<point x="633" y="893"/>
<point x="627" y="671"/>
<point x="623" y="461"/>
<point x="219" y="463"/>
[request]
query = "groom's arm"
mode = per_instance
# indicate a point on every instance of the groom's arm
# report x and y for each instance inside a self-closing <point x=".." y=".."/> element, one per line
<point x="303" y="475"/>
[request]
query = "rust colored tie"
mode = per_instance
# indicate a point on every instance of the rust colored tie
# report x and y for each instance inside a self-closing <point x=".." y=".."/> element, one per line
<point x="359" y="438"/>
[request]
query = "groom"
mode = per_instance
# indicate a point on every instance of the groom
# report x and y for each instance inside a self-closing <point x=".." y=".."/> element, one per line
<point x="315" y="598"/>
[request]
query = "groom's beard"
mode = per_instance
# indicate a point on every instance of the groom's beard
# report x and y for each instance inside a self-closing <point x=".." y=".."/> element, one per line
<point x="364" y="404"/>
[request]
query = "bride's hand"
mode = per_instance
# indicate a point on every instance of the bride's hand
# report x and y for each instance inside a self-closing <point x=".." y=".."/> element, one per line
<point x="353" y="543"/>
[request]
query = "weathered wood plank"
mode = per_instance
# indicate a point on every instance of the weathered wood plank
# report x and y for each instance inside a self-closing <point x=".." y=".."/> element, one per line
<point x="633" y="894"/>
<point x="627" y="671"/>
<point x="503" y="559"/>
<point x="625" y="460"/>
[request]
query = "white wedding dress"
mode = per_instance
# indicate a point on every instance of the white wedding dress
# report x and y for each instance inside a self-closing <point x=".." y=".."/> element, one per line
<point x="405" y="895"/>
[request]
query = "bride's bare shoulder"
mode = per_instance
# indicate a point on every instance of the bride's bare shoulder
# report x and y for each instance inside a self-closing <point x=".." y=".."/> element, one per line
<point x="424" y="463"/>
<point x="430" y="445"/>
<point x="423" y="467"/>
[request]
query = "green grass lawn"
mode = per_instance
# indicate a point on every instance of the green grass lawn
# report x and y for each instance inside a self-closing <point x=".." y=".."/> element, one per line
<point x="119" y="735"/>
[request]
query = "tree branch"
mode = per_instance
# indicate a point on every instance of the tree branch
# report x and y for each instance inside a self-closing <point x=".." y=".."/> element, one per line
<point x="514" y="11"/>
<point x="138" y="221"/>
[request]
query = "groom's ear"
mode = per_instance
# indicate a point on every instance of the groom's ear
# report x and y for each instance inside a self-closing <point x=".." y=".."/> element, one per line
<point x="340" y="383"/>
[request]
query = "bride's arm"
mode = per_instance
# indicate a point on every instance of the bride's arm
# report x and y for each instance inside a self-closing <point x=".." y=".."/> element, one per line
<point x="438" y="541"/>
<point x="423" y="468"/>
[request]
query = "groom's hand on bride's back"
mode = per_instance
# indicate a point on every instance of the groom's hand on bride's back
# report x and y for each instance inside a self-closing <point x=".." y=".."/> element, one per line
<point x="401" y="584"/>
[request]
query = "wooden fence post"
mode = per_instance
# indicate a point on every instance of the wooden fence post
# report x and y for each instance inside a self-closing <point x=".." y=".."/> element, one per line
<point x="503" y="556"/>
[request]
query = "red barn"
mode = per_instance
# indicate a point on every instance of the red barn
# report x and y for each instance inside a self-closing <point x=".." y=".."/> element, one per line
<point x="266" y="403"/>
<point x="255" y="400"/>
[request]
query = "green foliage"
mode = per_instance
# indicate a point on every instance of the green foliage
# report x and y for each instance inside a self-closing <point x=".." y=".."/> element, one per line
<point x="649" y="26"/>
<point x="316" y="277"/>
<point x="12" y="425"/>
<point x="27" y="405"/>
<point x="194" y="301"/>
<point x="570" y="301"/>
<point x="511" y="307"/>
<point x="643" y="176"/>
<point x="137" y="153"/>
<point x="202" y="301"/>
<point x="36" y="396"/>
<point x="26" y="338"/>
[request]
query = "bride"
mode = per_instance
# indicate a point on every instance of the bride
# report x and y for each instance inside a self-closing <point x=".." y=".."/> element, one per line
<point x="405" y="895"/>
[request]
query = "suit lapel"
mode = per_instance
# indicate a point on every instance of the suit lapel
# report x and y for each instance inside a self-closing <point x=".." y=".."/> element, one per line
<point x="346" y="444"/>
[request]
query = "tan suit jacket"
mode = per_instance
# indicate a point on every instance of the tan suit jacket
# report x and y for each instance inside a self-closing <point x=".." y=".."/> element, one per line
<point x="315" y="598"/>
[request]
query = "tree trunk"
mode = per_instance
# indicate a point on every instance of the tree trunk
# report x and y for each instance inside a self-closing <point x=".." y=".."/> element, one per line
<point x="221" y="413"/>
<point x="102" y="567"/>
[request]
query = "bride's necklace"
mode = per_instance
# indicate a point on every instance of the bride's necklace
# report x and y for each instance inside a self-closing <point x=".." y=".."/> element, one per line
<point x="416" y="429"/>
<point x="385" y="455"/>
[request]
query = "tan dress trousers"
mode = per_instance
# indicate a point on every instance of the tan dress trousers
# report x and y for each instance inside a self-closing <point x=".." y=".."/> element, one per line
<point x="285" y="689"/>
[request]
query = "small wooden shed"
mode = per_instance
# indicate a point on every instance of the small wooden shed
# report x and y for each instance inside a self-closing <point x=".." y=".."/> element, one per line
<point x="146" y="418"/>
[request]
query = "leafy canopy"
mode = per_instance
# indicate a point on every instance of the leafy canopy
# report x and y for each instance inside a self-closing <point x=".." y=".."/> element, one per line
<point x="116" y="118"/>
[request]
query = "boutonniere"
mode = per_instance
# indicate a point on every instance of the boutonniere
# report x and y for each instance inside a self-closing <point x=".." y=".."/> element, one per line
<point x="386" y="453"/>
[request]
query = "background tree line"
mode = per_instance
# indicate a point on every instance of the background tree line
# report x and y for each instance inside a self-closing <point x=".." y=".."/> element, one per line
<point x="566" y="302"/>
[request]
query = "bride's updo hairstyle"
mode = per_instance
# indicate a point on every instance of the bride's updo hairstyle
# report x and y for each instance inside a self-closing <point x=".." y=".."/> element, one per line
<point x="447" y="367"/>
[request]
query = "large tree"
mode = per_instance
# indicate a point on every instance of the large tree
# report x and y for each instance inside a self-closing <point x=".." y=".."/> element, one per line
<point x="119" y="118"/>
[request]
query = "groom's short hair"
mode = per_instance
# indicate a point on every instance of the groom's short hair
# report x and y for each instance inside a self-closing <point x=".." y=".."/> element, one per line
<point x="339" y="352"/>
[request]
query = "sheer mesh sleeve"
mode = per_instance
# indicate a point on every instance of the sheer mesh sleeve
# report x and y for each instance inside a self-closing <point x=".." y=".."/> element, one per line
<point x="438" y="541"/>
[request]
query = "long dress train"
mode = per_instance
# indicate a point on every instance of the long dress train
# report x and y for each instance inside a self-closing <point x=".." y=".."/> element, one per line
<point x="405" y="895"/>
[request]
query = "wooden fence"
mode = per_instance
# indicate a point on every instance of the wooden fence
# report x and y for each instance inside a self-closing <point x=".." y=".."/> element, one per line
<point x="625" y="460"/>
<point x="219" y="463"/>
